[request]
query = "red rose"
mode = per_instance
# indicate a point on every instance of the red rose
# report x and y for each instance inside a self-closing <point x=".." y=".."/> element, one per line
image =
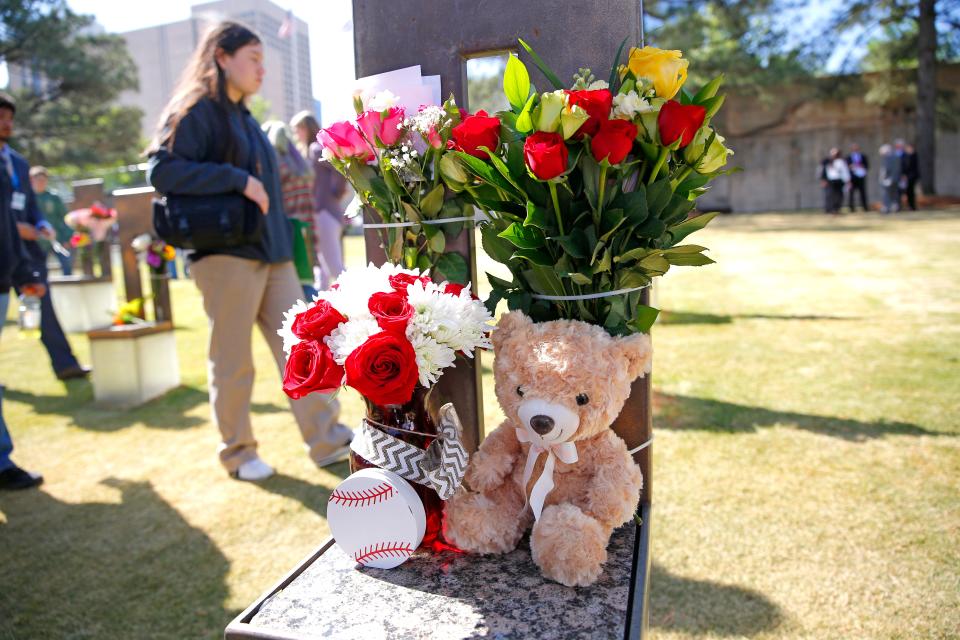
<point x="310" y="368"/>
<point x="477" y="130"/>
<point x="400" y="281"/>
<point x="679" y="121"/>
<point x="383" y="369"/>
<point x="596" y="103"/>
<point x="317" y="322"/>
<point x="454" y="289"/>
<point x="613" y="141"/>
<point x="391" y="310"/>
<point x="546" y="154"/>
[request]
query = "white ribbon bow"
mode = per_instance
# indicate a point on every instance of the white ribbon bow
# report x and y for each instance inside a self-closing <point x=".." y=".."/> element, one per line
<point x="566" y="451"/>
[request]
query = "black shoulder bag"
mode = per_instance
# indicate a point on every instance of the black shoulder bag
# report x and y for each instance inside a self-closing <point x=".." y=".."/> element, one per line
<point x="210" y="222"/>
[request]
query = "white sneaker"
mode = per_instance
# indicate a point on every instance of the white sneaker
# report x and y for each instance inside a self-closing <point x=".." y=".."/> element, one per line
<point x="253" y="470"/>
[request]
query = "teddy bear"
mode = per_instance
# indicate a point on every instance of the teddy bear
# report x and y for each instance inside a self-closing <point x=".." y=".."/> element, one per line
<point x="554" y="463"/>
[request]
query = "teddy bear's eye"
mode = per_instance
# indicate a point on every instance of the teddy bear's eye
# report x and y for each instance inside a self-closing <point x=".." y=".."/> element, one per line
<point x="582" y="399"/>
<point x="519" y="392"/>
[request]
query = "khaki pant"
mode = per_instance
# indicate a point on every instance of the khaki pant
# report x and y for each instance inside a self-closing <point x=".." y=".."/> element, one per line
<point x="236" y="294"/>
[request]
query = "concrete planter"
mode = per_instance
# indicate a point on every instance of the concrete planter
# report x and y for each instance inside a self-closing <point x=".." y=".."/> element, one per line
<point x="83" y="303"/>
<point x="133" y="363"/>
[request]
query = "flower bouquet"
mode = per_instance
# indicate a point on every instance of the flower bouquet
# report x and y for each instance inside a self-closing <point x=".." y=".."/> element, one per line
<point x="391" y="159"/>
<point x="157" y="253"/>
<point x="590" y="187"/>
<point x="91" y="226"/>
<point x="389" y="333"/>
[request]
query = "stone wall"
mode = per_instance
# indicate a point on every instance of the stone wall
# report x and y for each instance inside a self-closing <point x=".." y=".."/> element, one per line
<point x="780" y="143"/>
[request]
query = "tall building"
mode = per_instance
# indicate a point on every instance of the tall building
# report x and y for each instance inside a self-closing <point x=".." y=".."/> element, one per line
<point x="161" y="53"/>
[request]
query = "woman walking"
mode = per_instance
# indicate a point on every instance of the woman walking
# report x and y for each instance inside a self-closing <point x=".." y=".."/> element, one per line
<point x="209" y="144"/>
<point x="890" y="174"/>
<point x="328" y="189"/>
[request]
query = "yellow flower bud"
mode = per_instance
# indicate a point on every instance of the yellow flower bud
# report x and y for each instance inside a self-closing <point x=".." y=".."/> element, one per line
<point x="715" y="156"/>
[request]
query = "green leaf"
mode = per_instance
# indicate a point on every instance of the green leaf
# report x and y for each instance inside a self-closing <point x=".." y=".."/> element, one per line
<point x="635" y="277"/>
<point x="496" y="295"/>
<point x="677" y="210"/>
<point x="516" y="82"/>
<point x="436" y="240"/>
<point x="500" y="282"/>
<point x="537" y="217"/>
<point x="523" y="237"/>
<point x="453" y="267"/>
<point x="643" y="318"/>
<point x="431" y="203"/>
<point x="544" y="280"/>
<point x="632" y="254"/>
<point x="591" y="179"/>
<point x="505" y="172"/>
<point x="535" y="256"/>
<point x="573" y="244"/>
<point x="655" y="264"/>
<point x="604" y="264"/>
<point x="683" y="249"/>
<point x="616" y="63"/>
<point x="579" y="278"/>
<point x="708" y="90"/>
<point x="485" y="172"/>
<point x="658" y="195"/>
<point x="610" y="222"/>
<point x="689" y="260"/>
<point x="410" y="211"/>
<point x="524" y="120"/>
<point x="680" y="231"/>
<point x="494" y="246"/>
<point x="544" y="69"/>
<point x="652" y="228"/>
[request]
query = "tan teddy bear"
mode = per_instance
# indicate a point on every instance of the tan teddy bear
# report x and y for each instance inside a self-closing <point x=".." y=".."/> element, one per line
<point x="554" y="461"/>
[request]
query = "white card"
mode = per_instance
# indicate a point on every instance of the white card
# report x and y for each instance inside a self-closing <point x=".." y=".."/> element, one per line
<point x="19" y="201"/>
<point x="376" y="518"/>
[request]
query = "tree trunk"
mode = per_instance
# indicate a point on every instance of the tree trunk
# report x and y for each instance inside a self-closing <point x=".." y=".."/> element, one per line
<point x="927" y="94"/>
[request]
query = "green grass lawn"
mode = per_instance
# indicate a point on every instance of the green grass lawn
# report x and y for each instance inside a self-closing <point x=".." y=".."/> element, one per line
<point x="806" y="469"/>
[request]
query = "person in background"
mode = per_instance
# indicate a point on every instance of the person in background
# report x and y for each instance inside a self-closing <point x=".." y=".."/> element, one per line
<point x="890" y="179"/>
<point x="834" y="176"/>
<point x="858" y="165"/>
<point x="911" y="174"/>
<point x="205" y="145"/>
<point x="328" y="190"/>
<point x="296" y="183"/>
<point x="32" y="226"/>
<point x="15" y="269"/>
<point x="53" y="209"/>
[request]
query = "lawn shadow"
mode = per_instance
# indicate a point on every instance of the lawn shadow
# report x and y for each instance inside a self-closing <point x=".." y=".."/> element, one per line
<point x="703" y="414"/>
<point x="133" y="568"/>
<point x="692" y="317"/>
<point x="700" y="607"/>
<point x="311" y="495"/>
<point x="166" y="412"/>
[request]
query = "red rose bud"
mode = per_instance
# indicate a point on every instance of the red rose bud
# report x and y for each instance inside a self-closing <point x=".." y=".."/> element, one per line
<point x="391" y="310"/>
<point x="597" y="104"/>
<point x="310" y="368"/>
<point x="613" y="141"/>
<point x="317" y="322"/>
<point x="400" y="281"/>
<point x="475" y="131"/>
<point x="546" y="154"/>
<point x="383" y="369"/>
<point x="679" y="122"/>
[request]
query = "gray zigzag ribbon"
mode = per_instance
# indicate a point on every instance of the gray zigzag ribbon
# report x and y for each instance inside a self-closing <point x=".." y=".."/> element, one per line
<point x="441" y="467"/>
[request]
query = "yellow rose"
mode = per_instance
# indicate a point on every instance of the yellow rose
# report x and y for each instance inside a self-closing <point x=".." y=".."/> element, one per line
<point x="705" y="159"/>
<point x="667" y="69"/>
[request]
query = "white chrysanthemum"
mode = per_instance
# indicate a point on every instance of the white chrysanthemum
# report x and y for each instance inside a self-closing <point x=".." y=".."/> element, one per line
<point x="383" y="101"/>
<point x="627" y="106"/>
<point x="432" y="358"/>
<point x="350" y="335"/>
<point x="355" y="286"/>
<point x="473" y="323"/>
<point x="598" y="84"/>
<point x="286" y="328"/>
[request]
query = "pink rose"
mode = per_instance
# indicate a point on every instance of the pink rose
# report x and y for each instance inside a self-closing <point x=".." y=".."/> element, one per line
<point x="344" y="141"/>
<point x="383" y="126"/>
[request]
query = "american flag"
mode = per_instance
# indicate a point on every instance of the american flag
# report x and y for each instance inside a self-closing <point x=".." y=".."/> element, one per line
<point x="286" y="27"/>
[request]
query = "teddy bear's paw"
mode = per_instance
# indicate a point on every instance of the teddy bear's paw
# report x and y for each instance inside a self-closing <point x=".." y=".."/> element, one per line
<point x="480" y="524"/>
<point x="569" y="546"/>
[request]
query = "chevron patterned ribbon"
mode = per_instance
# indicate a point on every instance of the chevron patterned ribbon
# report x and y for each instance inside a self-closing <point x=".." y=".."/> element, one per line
<point x="440" y="467"/>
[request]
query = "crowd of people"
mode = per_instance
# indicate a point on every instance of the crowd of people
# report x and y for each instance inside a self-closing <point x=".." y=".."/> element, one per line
<point x="898" y="175"/>
<point x="207" y="144"/>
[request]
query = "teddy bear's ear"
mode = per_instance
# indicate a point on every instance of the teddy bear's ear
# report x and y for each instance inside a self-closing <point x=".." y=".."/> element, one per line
<point x="638" y="352"/>
<point x="510" y="323"/>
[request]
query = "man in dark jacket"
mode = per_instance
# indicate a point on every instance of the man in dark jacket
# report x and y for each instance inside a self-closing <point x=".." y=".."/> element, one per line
<point x="15" y="269"/>
<point x="911" y="174"/>
<point x="859" y="165"/>
<point x="31" y="225"/>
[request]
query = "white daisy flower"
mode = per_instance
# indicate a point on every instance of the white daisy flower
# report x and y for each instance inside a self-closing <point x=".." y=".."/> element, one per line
<point x="350" y="335"/>
<point x="286" y="328"/>
<point x="432" y="358"/>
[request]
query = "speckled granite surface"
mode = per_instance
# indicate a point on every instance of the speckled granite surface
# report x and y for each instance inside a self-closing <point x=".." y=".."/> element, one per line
<point x="451" y="596"/>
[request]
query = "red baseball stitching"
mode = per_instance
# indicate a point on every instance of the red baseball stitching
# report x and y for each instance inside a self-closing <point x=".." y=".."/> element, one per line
<point x="382" y="550"/>
<point x="363" y="498"/>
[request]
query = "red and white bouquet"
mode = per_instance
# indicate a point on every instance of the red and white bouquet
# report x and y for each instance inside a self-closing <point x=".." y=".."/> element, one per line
<point x="380" y="330"/>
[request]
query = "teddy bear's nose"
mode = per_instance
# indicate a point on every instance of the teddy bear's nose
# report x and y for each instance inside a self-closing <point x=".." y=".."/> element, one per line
<point x="541" y="424"/>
